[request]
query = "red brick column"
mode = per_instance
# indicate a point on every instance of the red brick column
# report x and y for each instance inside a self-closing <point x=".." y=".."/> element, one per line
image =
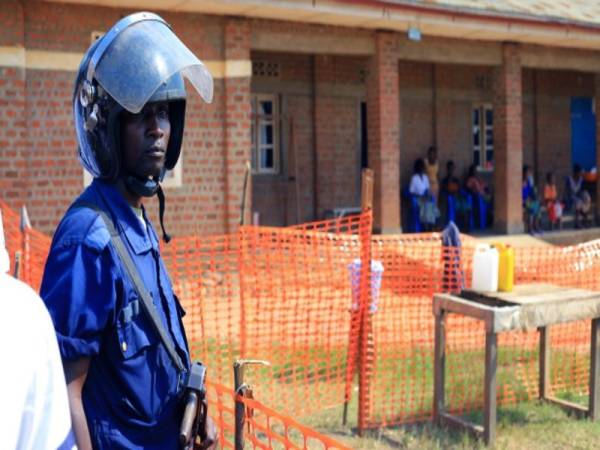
<point x="508" y="142"/>
<point x="237" y="117"/>
<point x="383" y="122"/>
<point x="13" y="124"/>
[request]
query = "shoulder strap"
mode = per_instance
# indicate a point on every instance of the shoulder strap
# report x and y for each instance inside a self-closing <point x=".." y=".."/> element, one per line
<point x="134" y="276"/>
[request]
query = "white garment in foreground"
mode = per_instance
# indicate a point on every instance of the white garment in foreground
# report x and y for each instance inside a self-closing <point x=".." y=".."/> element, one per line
<point x="34" y="408"/>
<point x="419" y="184"/>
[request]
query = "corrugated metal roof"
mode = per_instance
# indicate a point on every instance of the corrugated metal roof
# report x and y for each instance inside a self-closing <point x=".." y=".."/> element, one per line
<point x="573" y="11"/>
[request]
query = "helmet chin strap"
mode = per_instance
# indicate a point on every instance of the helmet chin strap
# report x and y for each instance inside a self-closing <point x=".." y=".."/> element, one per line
<point x="148" y="187"/>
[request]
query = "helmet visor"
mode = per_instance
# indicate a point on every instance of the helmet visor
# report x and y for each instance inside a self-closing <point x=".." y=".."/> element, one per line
<point x="141" y="58"/>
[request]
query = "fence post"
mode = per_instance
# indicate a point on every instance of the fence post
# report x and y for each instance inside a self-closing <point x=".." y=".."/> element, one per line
<point x="246" y="207"/>
<point x="242" y="390"/>
<point x="365" y="342"/>
<point x="241" y="242"/>
<point x="366" y="190"/>
<point x="25" y="226"/>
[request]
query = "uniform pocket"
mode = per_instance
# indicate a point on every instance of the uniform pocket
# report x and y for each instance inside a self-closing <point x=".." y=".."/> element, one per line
<point x="133" y="330"/>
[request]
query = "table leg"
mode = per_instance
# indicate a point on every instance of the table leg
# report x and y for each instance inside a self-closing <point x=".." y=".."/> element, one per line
<point x="594" y="405"/>
<point x="491" y="360"/>
<point x="544" y="386"/>
<point x="439" y="366"/>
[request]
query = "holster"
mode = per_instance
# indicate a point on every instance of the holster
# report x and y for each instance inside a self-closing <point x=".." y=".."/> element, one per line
<point x="193" y="424"/>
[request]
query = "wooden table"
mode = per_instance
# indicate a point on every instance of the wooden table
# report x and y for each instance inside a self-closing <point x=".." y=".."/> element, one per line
<point x="526" y="307"/>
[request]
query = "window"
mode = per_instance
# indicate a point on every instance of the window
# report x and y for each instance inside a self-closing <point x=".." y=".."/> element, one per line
<point x="265" y="134"/>
<point x="483" y="136"/>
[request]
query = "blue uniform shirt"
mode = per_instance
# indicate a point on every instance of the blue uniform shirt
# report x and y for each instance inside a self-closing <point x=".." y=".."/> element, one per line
<point x="132" y="392"/>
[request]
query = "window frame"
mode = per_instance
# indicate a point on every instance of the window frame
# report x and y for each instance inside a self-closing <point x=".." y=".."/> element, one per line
<point x="257" y="121"/>
<point x="483" y="127"/>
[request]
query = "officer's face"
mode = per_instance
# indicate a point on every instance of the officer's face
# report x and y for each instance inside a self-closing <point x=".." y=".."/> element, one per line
<point x="145" y="138"/>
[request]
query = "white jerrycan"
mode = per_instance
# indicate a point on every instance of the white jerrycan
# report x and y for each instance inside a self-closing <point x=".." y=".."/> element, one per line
<point x="485" y="268"/>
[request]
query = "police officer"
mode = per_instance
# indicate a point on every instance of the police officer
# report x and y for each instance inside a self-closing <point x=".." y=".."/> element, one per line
<point x="124" y="379"/>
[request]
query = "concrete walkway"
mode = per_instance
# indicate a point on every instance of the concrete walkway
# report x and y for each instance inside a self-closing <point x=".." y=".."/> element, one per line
<point x="563" y="237"/>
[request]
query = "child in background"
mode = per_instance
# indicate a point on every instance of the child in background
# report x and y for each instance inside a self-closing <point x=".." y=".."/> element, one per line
<point x="553" y="206"/>
<point x="531" y="204"/>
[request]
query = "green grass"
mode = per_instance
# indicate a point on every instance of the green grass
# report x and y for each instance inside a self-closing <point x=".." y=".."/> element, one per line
<point x="527" y="425"/>
<point x="406" y="380"/>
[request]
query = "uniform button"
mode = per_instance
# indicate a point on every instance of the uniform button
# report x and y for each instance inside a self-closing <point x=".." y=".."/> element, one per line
<point x="124" y="346"/>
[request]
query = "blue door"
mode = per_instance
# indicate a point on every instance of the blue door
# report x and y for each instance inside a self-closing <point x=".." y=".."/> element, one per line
<point x="583" y="132"/>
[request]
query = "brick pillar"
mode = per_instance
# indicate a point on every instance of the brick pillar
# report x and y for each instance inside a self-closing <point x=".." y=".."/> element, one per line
<point x="13" y="124"/>
<point x="383" y="122"/>
<point x="508" y="142"/>
<point x="238" y="72"/>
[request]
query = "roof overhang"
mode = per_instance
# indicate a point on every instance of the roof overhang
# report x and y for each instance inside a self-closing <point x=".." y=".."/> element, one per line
<point x="386" y="15"/>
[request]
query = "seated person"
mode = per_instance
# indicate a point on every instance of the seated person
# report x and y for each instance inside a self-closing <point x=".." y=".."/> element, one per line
<point x="419" y="187"/>
<point x="450" y="183"/>
<point x="553" y="205"/>
<point x="475" y="185"/>
<point x="577" y="196"/>
<point x="531" y="204"/>
<point x="450" y="186"/>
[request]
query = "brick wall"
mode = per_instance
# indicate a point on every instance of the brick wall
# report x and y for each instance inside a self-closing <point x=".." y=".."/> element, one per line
<point x="54" y="174"/>
<point x="49" y="175"/>
<point x="340" y="90"/>
<point x="320" y="161"/>
<point x="383" y="121"/>
<point x="236" y="35"/>
<point x="555" y="89"/>
<point x="322" y="93"/>
<point x="508" y="141"/>
<point x="13" y="130"/>
<point x="275" y="197"/>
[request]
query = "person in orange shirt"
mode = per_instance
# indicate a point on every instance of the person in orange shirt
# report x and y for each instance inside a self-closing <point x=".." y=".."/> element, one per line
<point x="553" y="205"/>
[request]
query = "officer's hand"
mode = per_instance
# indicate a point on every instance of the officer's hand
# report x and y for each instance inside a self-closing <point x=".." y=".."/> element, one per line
<point x="211" y="441"/>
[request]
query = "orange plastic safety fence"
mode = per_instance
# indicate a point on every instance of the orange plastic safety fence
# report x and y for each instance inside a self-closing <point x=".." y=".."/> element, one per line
<point x="298" y="298"/>
<point x="205" y="276"/>
<point x="36" y="246"/>
<point x="12" y="232"/>
<point x="264" y="427"/>
<point x="401" y="383"/>
<point x="279" y="294"/>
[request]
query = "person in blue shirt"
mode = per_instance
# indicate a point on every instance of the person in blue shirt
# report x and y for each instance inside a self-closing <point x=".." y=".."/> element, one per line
<point x="125" y="391"/>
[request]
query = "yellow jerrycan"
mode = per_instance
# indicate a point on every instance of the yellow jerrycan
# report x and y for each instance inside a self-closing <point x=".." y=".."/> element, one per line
<point x="506" y="267"/>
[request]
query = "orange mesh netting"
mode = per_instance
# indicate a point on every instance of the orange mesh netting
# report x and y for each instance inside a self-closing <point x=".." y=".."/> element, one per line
<point x="12" y="232"/>
<point x="401" y="377"/>
<point x="298" y="297"/>
<point x="264" y="427"/>
<point x="299" y="319"/>
<point x="36" y="246"/>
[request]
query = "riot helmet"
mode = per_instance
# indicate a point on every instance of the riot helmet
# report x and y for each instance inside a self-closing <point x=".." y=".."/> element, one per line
<point x="138" y="61"/>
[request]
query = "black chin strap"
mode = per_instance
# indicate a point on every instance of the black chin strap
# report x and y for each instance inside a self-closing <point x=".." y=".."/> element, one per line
<point x="147" y="188"/>
<point x="161" y="213"/>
